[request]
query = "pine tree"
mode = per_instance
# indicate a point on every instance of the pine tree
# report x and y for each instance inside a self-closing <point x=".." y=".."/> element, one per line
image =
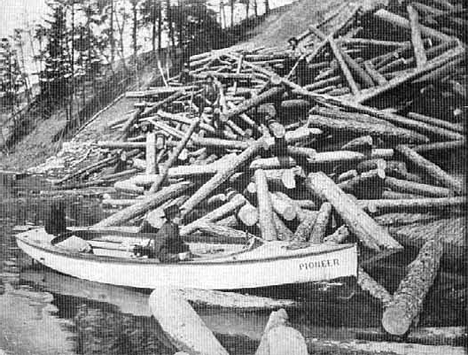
<point x="56" y="76"/>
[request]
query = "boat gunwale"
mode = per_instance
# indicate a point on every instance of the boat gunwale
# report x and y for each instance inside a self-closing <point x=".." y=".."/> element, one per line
<point x="142" y="261"/>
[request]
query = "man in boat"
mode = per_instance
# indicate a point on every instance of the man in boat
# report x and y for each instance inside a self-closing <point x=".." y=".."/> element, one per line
<point x="168" y="245"/>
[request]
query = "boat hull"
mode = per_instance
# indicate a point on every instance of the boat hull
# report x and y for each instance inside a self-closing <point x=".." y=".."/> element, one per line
<point x="234" y="272"/>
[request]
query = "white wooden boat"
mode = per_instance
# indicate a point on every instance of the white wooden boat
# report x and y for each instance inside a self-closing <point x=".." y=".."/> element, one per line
<point x="219" y="266"/>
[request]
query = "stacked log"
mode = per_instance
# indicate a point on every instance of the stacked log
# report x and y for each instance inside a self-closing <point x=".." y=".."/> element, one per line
<point x="239" y="170"/>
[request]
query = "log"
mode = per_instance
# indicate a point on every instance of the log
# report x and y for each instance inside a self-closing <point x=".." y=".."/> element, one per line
<point x="348" y="346"/>
<point x="360" y="224"/>
<point x="163" y="90"/>
<point x="369" y="184"/>
<point x="145" y="205"/>
<point x="416" y="39"/>
<point x="403" y="23"/>
<point x="279" y="338"/>
<point x="128" y="187"/>
<point x="437" y="122"/>
<point x="304" y="229"/>
<point x="376" y="290"/>
<point x="280" y="162"/>
<point x="407" y="301"/>
<point x="412" y="205"/>
<point x="338" y="236"/>
<point x="300" y="213"/>
<point x="449" y="56"/>
<point x="390" y="134"/>
<point x="440" y="147"/>
<point x="410" y="187"/>
<point x="270" y="95"/>
<point x="265" y="207"/>
<point x="223" y="174"/>
<point x="359" y="144"/>
<point x="284" y="209"/>
<point x="344" y="68"/>
<point x="374" y="74"/>
<point x="322" y="221"/>
<point x="223" y="232"/>
<point x="184" y="328"/>
<point x="228" y="208"/>
<point x="282" y="231"/>
<point x="430" y="169"/>
<point x="346" y="156"/>
<point x="175" y="154"/>
<point x="151" y="166"/>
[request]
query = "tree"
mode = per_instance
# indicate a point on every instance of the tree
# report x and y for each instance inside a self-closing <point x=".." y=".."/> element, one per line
<point x="255" y="6"/>
<point x="10" y="73"/>
<point x="267" y="7"/>
<point x="151" y="11"/>
<point x="231" y="5"/>
<point x="197" y="27"/>
<point x="56" y="76"/>
<point x="246" y="3"/>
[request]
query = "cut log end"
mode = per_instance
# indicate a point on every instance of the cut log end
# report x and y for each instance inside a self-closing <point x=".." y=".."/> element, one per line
<point x="395" y="321"/>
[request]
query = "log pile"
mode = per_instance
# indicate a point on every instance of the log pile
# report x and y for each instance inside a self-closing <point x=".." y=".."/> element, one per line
<point x="307" y="147"/>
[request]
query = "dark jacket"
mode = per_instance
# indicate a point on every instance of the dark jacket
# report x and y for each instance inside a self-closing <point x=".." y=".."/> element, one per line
<point x="168" y="243"/>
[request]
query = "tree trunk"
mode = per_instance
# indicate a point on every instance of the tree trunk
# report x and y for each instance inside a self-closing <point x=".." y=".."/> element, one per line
<point x="147" y="204"/>
<point x="265" y="207"/>
<point x="175" y="154"/>
<point x="376" y="207"/>
<point x="431" y="169"/>
<point x="223" y="175"/>
<point x="321" y="223"/>
<point x="359" y="223"/>
<point x="408" y="299"/>
<point x="416" y="39"/>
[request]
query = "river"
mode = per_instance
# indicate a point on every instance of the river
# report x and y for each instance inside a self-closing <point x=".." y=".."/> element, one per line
<point x="43" y="312"/>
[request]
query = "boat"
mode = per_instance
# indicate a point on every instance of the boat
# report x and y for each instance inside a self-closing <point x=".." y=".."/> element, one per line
<point x="215" y="267"/>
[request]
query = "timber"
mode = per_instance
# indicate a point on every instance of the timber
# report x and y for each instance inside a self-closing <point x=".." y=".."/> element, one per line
<point x="322" y="221"/>
<point x="360" y="224"/>
<point x="408" y="299"/>
<point x="416" y="38"/>
<point x="265" y="207"/>
<point x="431" y="169"/>
<point x="149" y="203"/>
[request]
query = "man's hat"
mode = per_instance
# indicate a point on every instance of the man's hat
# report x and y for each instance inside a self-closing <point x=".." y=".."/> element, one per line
<point x="171" y="211"/>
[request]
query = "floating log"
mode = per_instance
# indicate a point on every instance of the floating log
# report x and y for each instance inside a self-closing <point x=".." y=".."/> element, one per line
<point x="338" y="236"/>
<point x="222" y="175"/>
<point x="228" y="208"/>
<point x="374" y="74"/>
<point x="182" y="325"/>
<point x="283" y="208"/>
<point x="282" y="231"/>
<point x="300" y="213"/>
<point x="172" y="159"/>
<point x="416" y="39"/>
<point x="372" y="347"/>
<point x="360" y="224"/>
<point x="369" y="184"/>
<point x="151" y="166"/>
<point x="322" y="221"/>
<point x="265" y="207"/>
<point x="224" y="232"/>
<point x="431" y="169"/>
<point x="437" y="122"/>
<point x="376" y="290"/>
<point x="304" y="229"/>
<point x="359" y="144"/>
<point x="145" y="205"/>
<point x="346" y="156"/>
<point x="411" y="187"/>
<point x="269" y="95"/>
<point x="408" y="299"/>
<point x="440" y="146"/>
<point x="163" y="90"/>
<point x="279" y="338"/>
<point x="412" y="205"/>
<point x="129" y="187"/>
<point x="390" y="134"/>
<point x="403" y="23"/>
